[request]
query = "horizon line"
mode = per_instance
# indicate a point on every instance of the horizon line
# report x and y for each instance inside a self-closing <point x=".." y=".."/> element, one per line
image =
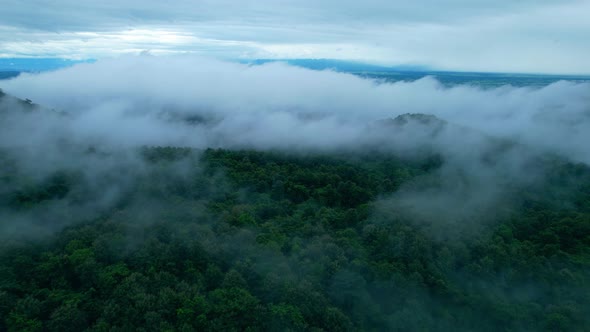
<point x="371" y="66"/>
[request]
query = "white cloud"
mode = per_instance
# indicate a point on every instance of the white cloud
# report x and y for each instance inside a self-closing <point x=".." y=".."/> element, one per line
<point x="139" y="100"/>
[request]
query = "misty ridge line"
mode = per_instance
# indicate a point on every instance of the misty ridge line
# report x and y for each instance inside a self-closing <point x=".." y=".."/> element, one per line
<point x="201" y="103"/>
<point x="147" y="100"/>
<point x="94" y="117"/>
<point x="204" y="103"/>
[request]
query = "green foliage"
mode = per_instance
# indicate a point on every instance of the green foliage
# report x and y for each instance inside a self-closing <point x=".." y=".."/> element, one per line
<point x="250" y="241"/>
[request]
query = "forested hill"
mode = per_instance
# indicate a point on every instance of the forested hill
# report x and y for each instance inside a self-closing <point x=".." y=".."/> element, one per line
<point x="184" y="239"/>
<point x="10" y="104"/>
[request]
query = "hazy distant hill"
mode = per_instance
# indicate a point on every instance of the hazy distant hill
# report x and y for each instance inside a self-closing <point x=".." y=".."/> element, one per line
<point x="36" y="64"/>
<point x="8" y="74"/>
<point x="416" y="72"/>
<point x="339" y="65"/>
<point x="10" y="68"/>
<point x="10" y="103"/>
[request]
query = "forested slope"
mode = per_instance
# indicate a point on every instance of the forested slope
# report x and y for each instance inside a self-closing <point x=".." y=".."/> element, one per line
<point x="246" y="240"/>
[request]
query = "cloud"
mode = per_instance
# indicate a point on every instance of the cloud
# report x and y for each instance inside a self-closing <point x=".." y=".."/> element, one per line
<point x="523" y="36"/>
<point x="148" y="99"/>
<point x="53" y="16"/>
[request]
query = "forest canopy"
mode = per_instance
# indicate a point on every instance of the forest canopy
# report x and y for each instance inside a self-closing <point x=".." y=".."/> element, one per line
<point x="248" y="240"/>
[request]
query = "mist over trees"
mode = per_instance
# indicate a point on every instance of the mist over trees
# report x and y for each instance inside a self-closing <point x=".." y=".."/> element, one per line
<point x="201" y="195"/>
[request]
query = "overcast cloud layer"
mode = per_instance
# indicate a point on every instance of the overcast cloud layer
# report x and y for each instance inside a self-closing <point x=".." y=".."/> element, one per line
<point x="510" y="36"/>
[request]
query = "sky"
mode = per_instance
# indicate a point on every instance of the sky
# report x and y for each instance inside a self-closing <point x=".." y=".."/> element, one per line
<point x="528" y="36"/>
